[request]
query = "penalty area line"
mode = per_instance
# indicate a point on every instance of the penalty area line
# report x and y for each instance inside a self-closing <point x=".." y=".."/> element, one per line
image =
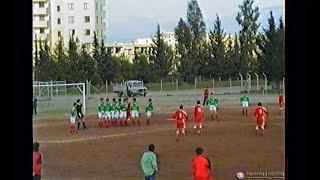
<point x="101" y="137"/>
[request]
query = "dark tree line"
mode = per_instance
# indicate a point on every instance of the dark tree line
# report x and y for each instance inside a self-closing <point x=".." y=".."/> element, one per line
<point x="195" y="54"/>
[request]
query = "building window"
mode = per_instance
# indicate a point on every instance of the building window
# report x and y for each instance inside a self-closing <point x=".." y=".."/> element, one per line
<point x="97" y="6"/>
<point x="88" y="46"/>
<point x="101" y="20"/>
<point x="41" y="18"/>
<point x="59" y="21"/>
<point x="58" y="8"/>
<point x="59" y="33"/>
<point x="87" y="19"/>
<point x="87" y="32"/>
<point x="101" y="33"/>
<point x="86" y="6"/>
<point x="71" y="19"/>
<point x="101" y="7"/>
<point x="97" y="32"/>
<point x="70" y="6"/>
<point x="41" y="30"/>
<point x="72" y="32"/>
<point x="97" y="19"/>
<point x="41" y="4"/>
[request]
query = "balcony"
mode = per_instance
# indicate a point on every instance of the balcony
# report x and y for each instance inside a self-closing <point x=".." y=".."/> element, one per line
<point x="40" y="24"/>
<point x="40" y="11"/>
<point x="42" y="37"/>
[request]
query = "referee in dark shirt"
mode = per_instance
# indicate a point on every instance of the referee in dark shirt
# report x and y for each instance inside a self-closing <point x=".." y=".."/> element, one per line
<point x="80" y="115"/>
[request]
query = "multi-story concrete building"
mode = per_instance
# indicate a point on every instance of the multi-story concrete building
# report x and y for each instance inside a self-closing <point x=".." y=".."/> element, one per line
<point x="41" y="20"/>
<point x="55" y="19"/>
<point x="81" y="18"/>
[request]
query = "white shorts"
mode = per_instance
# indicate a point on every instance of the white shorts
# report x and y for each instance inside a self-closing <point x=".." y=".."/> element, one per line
<point x="245" y="104"/>
<point x="116" y="114"/>
<point x="135" y="114"/>
<point x="107" y="115"/>
<point x="100" y="115"/>
<point x="112" y="113"/>
<point x="73" y="119"/>
<point x="122" y="114"/>
<point x="213" y="108"/>
<point x="149" y="113"/>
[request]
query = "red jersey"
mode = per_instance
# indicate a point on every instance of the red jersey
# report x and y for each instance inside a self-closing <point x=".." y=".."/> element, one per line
<point x="128" y="110"/>
<point x="201" y="168"/>
<point x="281" y="99"/>
<point x="37" y="163"/>
<point x="206" y="93"/>
<point x="260" y="113"/>
<point x="180" y="116"/>
<point x="198" y="113"/>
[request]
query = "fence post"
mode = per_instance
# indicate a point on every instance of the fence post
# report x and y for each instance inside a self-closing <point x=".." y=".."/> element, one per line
<point x="51" y="90"/>
<point x="249" y="81"/>
<point x="86" y="87"/>
<point x="212" y="84"/>
<point x="106" y="87"/>
<point x="265" y="82"/>
<point x="177" y="86"/>
<point x="195" y="84"/>
<point x="257" y="81"/>
<point x="283" y="85"/>
<point x="161" y="84"/>
<point x="230" y="83"/>
<point x="241" y="81"/>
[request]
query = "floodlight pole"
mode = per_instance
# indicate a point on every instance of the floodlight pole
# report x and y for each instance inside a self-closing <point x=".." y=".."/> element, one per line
<point x="249" y="78"/>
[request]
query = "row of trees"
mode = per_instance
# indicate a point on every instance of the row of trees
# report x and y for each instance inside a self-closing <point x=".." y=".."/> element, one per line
<point x="195" y="54"/>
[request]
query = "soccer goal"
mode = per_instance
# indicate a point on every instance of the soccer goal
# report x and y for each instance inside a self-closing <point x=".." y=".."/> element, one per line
<point x="55" y="100"/>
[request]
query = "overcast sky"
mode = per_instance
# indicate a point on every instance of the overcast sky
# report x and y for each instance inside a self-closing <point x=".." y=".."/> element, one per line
<point x="128" y="20"/>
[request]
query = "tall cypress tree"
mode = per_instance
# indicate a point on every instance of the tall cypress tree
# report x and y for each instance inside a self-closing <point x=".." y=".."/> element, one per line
<point x="183" y="46"/>
<point x="198" y="33"/>
<point x="61" y="58"/>
<point x="218" y="49"/>
<point x="271" y="56"/>
<point x="73" y="56"/>
<point x="162" y="55"/>
<point x="247" y="18"/>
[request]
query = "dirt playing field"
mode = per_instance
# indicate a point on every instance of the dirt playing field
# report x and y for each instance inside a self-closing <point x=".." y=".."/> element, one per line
<point x="114" y="153"/>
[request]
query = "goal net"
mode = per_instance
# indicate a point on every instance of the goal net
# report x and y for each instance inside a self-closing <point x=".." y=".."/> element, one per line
<point x="55" y="99"/>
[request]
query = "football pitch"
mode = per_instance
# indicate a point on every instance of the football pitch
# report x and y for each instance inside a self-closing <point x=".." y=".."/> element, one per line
<point x="114" y="153"/>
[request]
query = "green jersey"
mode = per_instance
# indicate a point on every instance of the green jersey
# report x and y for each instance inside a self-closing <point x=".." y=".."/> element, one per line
<point x="213" y="101"/>
<point x="149" y="107"/>
<point x="134" y="107"/>
<point x="244" y="97"/>
<point x="73" y="111"/>
<point x="122" y="107"/>
<point x="113" y="106"/>
<point x="100" y="107"/>
<point x="107" y="107"/>
<point x="118" y="105"/>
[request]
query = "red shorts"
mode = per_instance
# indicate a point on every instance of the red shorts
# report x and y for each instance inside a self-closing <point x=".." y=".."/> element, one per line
<point x="198" y="119"/>
<point x="260" y="120"/>
<point x="181" y="125"/>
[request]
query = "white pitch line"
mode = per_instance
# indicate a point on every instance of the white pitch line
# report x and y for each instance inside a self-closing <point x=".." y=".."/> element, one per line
<point x="100" y="137"/>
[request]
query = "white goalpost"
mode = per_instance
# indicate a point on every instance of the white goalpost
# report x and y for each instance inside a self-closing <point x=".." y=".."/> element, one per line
<point x="55" y="99"/>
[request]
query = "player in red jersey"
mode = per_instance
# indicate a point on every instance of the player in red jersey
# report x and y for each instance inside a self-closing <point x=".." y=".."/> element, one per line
<point x="37" y="162"/>
<point x="281" y="102"/>
<point x="260" y="114"/>
<point x="181" y="117"/>
<point x="198" y="117"/>
<point x="201" y="166"/>
<point x="128" y="112"/>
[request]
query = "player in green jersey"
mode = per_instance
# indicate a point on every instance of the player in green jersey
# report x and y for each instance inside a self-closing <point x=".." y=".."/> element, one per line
<point x="100" y="112"/>
<point x="135" y="111"/>
<point x="113" y="111"/>
<point x="213" y="106"/>
<point x="73" y="115"/>
<point x="149" y="110"/>
<point x="118" y="112"/>
<point x="244" y="99"/>
<point x="107" y="114"/>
